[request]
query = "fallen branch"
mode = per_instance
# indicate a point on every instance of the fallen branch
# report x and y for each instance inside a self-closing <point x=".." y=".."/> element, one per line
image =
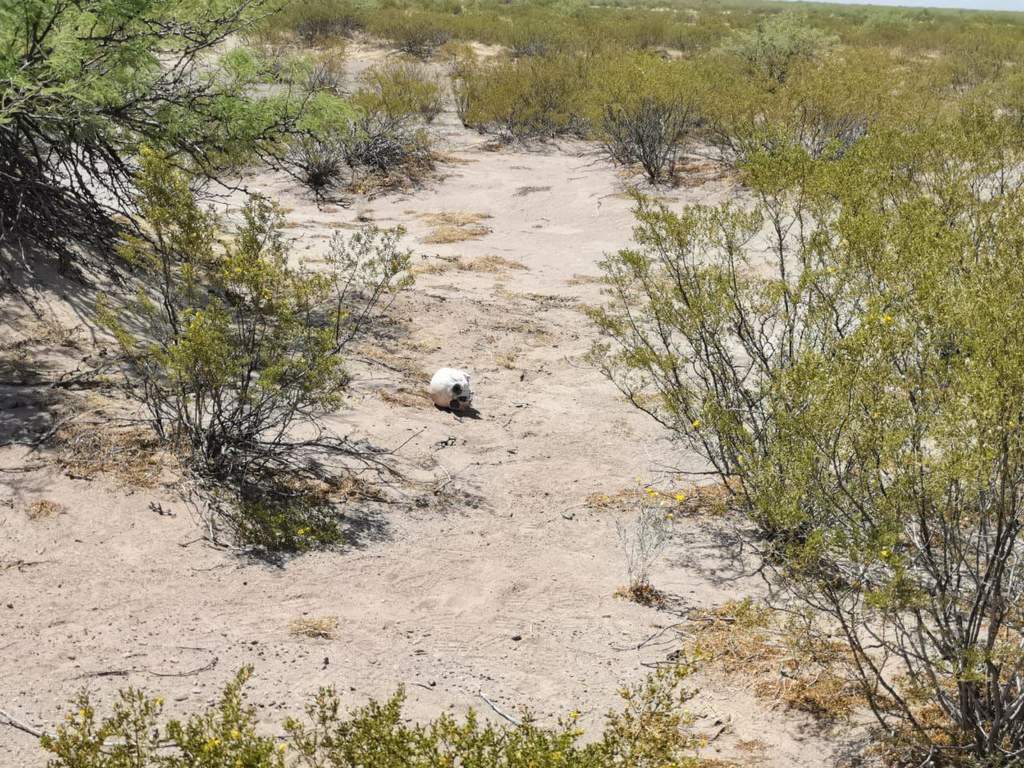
<point x="498" y="712"/>
<point x="7" y="719"/>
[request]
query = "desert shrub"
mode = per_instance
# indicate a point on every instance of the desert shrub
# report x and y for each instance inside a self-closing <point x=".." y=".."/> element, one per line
<point x="400" y="90"/>
<point x="76" y="108"/>
<point x="651" y="731"/>
<point x="316" y="154"/>
<point x="237" y="350"/>
<point x="776" y="44"/>
<point x="380" y="144"/>
<point x="132" y="735"/>
<point x="326" y="73"/>
<point x="649" y="115"/>
<point x="861" y="380"/>
<point x="413" y="32"/>
<point x="313" y="22"/>
<point x="643" y="539"/>
<point x="318" y="162"/>
<point x="529" y="98"/>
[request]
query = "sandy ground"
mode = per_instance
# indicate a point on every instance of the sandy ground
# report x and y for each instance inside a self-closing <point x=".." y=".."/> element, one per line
<point x="502" y="585"/>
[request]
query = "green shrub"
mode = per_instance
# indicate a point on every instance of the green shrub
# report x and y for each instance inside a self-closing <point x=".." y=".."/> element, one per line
<point x="776" y="44"/>
<point x="313" y="22"/>
<point x="77" y="107"/>
<point x="845" y="353"/>
<point x="529" y="98"/>
<point x="649" y="111"/>
<point x="237" y="350"/>
<point x="650" y="732"/>
<point x="131" y="737"/>
<point x="400" y="90"/>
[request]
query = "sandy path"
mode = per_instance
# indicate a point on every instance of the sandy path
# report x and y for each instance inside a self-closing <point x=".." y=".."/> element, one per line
<point x="506" y="588"/>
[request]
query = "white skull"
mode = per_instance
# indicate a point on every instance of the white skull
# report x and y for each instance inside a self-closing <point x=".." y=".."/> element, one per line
<point x="449" y="388"/>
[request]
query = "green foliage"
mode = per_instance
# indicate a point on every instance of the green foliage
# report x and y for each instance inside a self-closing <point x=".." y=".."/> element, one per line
<point x="400" y="90"/>
<point x="649" y="111"/>
<point x="845" y="351"/>
<point x="777" y="44"/>
<point x="650" y="732"/>
<point x="83" y="86"/>
<point x="131" y="736"/>
<point x="238" y="349"/>
<point x="528" y="98"/>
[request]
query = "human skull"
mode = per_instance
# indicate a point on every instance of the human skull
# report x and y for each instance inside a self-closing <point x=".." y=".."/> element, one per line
<point x="449" y="388"/>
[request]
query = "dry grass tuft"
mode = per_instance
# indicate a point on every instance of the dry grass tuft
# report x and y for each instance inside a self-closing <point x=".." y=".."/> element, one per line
<point x="644" y="594"/>
<point x="132" y="455"/>
<point x="709" y="498"/>
<point x="404" y="397"/>
<point x="42" y="509"/>
<point x="319" y="627"/>
<point x="584" y="280"/>
<point x="454" y="227"/>
<point x="786" y="660"/>
<point x="490" y="264"/>
<point x="509" y="358"/>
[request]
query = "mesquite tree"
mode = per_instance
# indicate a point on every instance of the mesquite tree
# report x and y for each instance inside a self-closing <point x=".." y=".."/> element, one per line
<point x="847" y="352"/>
<point x="84" y="85"/>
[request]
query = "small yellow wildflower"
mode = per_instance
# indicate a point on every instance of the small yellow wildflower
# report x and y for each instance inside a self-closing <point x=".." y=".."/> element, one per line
<point x="282" y="748"/>
<point x="887" y="319"/>
<point x="235" y="735"/>
<point x="651" y="492"/>
<point x="680" y="496"/>
<point x="695" y="423"/>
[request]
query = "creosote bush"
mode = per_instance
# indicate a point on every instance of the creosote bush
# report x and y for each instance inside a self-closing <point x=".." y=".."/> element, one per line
<point x="845" y="348"/>
<point x="238" y="352"/>
<point x="651" y="731"/>
<point x="400" y="89"/>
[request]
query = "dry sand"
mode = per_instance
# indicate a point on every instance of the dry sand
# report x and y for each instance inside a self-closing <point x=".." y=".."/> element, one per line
<point x="501" y="584"/>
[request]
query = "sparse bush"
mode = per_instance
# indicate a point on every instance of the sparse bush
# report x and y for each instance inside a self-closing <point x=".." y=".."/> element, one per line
<point x="132" y="736"/>
<point x="400" y="90"/>
<point x="318" y="162"/>
<point x="314" y="22"/>
<point x="240" y="349"/>
<point x="415" y="33"/>
<point x="530" y="98"/>
<point x="382" y="145"/>
<point x="643" y="539"/>
<point x="649" y="132"/>
<point x="652" y="731"/>
<point x="777" y="44"/>
<point x="864" y="386"/>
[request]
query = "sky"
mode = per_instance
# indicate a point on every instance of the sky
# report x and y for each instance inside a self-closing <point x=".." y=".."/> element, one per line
<point x="987" y="5"/>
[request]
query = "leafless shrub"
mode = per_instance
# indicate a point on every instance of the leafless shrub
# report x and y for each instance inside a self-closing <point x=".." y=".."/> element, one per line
<point x="643" y="539"/>
<point x="649" y="132"/>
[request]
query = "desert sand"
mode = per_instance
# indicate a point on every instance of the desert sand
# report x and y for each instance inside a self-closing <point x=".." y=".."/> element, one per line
<point x="489" y="574"/>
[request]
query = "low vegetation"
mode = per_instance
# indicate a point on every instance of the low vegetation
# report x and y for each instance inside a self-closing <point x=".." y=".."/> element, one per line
<point x="651" y="731"/>
<point x="235" y="349"/>
<point x="864" y="392"/>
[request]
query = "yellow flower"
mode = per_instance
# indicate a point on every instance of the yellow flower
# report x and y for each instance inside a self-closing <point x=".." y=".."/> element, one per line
<point x="235" y="735"/>
<point x="887" y="319"/>
<point x="695" y="423"/>
<point x="680" y="496"/>
<point x="282" y="748"/>
<point x="651" y="492"/>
